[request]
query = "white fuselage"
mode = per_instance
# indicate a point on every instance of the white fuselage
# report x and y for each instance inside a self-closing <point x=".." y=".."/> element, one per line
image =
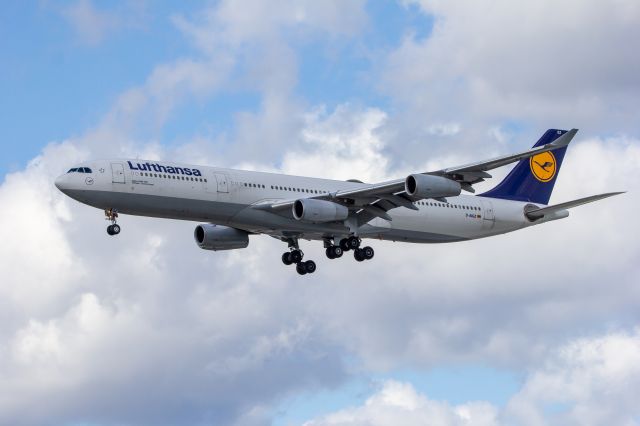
<point x="229" y="197"/>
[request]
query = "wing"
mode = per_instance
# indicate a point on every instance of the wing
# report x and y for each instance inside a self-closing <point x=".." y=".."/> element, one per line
<point x="375" y="200"/>
<point x="473" y="173"/>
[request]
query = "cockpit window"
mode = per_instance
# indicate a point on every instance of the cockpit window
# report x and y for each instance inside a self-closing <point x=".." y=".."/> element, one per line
<point x="80" y="170"/>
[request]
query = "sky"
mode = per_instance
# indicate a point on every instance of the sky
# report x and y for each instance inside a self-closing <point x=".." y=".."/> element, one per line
<point x="532" y="328"/>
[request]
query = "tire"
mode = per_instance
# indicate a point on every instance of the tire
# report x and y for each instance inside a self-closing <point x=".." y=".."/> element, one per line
<point x="337" y="251"/>
<point x="301" y="268"/>
<point x="368" y="253"/>
<point x="309" y="266"/>
<point x="358" y="255"/>
<point x="110" y="230"/>
<point x="296" y="256"/>
<point x="286" y="258"/>
<point x="344" y="244"/>
<point x="115" y="228"/>
<point x="330" y="252"/>
<point x="353" y="243"/>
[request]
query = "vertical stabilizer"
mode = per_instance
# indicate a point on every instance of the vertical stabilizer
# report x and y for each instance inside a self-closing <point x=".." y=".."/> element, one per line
<point x="532" y="179"/>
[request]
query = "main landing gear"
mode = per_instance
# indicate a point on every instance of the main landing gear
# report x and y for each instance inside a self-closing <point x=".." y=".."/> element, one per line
<point x="295" y="255"/>
<point x="353" y="243"/>
<point x="333" y="251"/>
<point x="112" y="216"/>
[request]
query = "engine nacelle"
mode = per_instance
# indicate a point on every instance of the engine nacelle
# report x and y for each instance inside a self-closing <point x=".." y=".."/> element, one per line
<point x="214" y="237"/>
<point x="318" y="211"/>
<point x="421" y="186"/>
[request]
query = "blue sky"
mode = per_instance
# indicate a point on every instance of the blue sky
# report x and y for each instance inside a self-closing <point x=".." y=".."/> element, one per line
<point x="149" y="329"/>
<point x="57" y="85"/>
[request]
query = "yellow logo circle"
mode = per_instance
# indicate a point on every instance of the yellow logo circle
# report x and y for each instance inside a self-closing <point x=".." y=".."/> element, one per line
<point x="543" y="166"/>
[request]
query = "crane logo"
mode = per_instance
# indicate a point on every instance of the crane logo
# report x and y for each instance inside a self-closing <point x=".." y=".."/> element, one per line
<point x="543" y="166"/>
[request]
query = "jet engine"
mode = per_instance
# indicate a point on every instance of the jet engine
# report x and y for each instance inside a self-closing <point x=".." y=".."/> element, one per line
<point x="421" y="186"/>
<point x="318" y="211"/>
<point x="214" y="237"/>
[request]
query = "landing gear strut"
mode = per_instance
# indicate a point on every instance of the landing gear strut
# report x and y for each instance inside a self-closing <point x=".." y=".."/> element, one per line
<point x="112" y="216"/>
<point x="350" y="243"/>
<point x="295" y="255"/>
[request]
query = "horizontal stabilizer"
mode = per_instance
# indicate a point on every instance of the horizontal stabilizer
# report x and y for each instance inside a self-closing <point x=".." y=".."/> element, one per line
<point x="540" y="212"/>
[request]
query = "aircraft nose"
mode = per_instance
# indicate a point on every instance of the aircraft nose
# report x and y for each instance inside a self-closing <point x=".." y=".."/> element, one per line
<point x="60" y="182"/>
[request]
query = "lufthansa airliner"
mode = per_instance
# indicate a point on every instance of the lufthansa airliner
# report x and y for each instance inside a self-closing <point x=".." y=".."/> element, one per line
<point x="424" y="207"/>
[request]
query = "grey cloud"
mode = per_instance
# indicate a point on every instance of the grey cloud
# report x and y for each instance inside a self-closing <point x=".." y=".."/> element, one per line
<point x="584" y="381"/>
<point x="535" y="64"/>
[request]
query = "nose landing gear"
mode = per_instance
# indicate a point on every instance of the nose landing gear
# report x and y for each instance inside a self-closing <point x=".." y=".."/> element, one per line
<point x="112" y="216"/>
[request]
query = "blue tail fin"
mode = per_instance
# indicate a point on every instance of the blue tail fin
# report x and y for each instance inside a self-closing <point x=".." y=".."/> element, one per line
<point x="532" y="179"/>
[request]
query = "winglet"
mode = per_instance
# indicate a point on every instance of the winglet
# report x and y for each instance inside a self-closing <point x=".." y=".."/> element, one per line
<point x="564" y="139"/>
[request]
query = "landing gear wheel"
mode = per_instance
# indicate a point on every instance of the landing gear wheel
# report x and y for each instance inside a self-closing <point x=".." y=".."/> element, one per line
<point x="309" y="266"/>
<point x="368" y="252"/>
<point x="301" y="268"/>
<point x="344" y="244"/>
<point x="358" y="254"/>
<point x="115" y="228"/>
<point x="296" y="256"/>
<point x="330" y="252"/>
<point x="286" y="258"/>
<point x="110" y="230"/>
<point x="333" y="252"/>
<point x="353" y="242"/>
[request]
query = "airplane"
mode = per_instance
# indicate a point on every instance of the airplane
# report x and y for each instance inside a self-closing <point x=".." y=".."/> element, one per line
<point x="424" y="207"/>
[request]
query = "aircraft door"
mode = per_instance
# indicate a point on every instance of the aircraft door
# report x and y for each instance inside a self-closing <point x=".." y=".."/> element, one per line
<point x="488" y="216"/>
<point x="117" y="171"/>
<point x="223" y="184"/>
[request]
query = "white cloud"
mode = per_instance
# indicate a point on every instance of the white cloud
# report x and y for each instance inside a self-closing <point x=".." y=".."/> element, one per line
<point x="90" y="23"/>
<point x="341" y="145"/>
<point x="566" y="64"/>
<point x="100" y="329"/>
<point x="237" y="22"/>
<point x="399" y="404"/>
<point x="588" y="381"/>
<point x="93" y="25"/>
<point x="444" y="129"/>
